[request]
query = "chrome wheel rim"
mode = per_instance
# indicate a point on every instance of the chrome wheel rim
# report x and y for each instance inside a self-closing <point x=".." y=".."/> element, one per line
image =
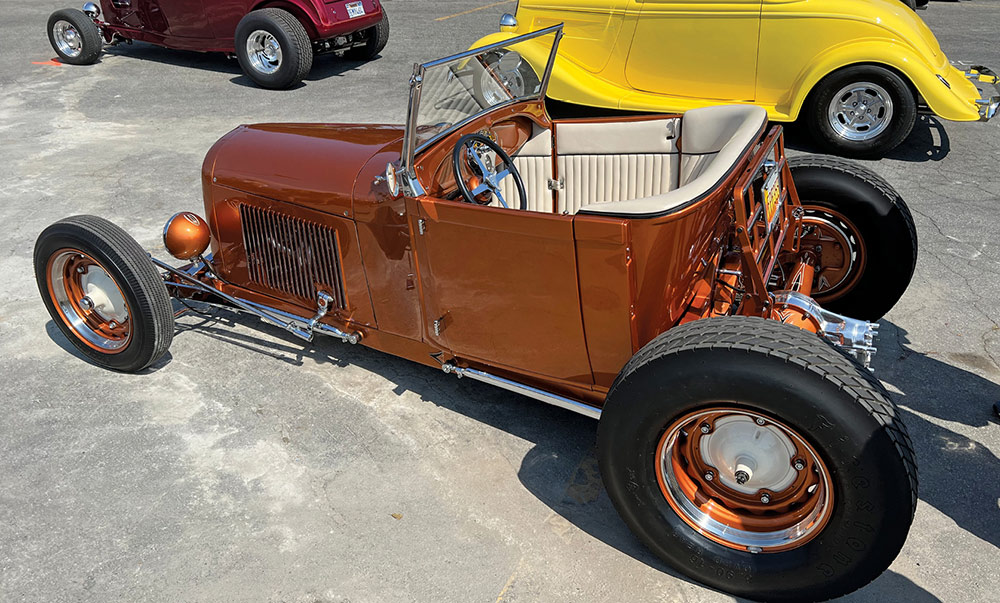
<point x="511" y="85"/>
<point x="89" y="300"/>
<point x="264" y="52"/>
<point x="744" y="480"/>
<point x="68" y="39"/>
<point x="860" y="111"/>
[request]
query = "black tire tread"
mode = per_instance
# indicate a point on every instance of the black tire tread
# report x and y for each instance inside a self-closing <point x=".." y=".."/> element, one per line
<point x="867" y="175"/>
<point x="756" y="335"/>
<point x="378" y="38"/>
<point x="303" y="44"/>
<point x="142" y="278"/>
<point x="92" y="42"/>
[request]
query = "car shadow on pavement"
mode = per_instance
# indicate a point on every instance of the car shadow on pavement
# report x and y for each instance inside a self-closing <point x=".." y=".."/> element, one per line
<point x="927" y="142"/>
<point x="561" y="468"/>
<point x="324" y="66"/>
<point x="57" y="337"/>
<point x="957" y="474"/>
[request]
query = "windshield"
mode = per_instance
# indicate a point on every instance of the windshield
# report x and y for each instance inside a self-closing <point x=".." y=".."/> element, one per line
<point x="447" y="92"/>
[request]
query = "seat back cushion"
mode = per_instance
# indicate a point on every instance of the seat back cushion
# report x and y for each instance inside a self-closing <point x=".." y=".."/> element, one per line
<point x="603" y="162"/>
<point x="713" y="139"/>
<point x="534" y="162"/>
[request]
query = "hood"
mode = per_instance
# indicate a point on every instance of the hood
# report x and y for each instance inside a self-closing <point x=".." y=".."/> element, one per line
<point x="311" y="165"/>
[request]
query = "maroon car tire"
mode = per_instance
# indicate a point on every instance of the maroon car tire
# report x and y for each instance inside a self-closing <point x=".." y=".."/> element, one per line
<point x="273" y="48"/>
<point x="376" y="37"/>
<point x="714" y="377"/>
<point x="75" y="37"/>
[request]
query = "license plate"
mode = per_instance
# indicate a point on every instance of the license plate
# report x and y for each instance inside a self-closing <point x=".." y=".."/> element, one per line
<point x="772" y="195"/>
<point x="355" y="9"/>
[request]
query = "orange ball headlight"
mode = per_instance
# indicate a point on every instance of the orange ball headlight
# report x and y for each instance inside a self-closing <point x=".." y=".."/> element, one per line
<point x="186" y="235"/>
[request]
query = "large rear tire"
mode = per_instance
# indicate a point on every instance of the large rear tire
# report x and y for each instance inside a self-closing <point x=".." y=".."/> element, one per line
<point x="273" y="48"/>
<point x="376" y="37"/>
<point x="829" y="483"/>
<point x="862" y="232"/>
<point x="103" y="293"/>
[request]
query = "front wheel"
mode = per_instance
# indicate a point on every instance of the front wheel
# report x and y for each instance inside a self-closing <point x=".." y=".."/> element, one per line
<point x="861" y="111"/>
<point x="861" y="232"/>
<point x="103" y="293"/>
<point x="75" y="37"/>
<point x="755" y="458"/>
<point x="273" y="48"/>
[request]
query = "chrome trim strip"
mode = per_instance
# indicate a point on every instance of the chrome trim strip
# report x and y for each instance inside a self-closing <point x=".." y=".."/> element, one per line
<point x="302" y="328"/>
<point x="474" y="51"/>
<point x="525" y="390"/>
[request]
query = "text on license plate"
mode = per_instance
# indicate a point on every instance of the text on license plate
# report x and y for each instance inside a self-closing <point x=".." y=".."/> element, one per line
<point x="355" y="9"/>
<point x="772" y="195"/>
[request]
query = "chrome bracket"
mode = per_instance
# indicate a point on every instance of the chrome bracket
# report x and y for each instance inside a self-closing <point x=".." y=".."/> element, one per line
<point x="856" y="337"/>
<point x="557" y="185"/>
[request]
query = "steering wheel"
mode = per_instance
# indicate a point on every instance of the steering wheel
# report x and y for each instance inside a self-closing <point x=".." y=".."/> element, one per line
<point x="471" y="150"/>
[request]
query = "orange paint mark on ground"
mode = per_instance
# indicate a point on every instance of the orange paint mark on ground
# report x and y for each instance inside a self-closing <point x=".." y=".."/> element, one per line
<point x="50" y="62"/>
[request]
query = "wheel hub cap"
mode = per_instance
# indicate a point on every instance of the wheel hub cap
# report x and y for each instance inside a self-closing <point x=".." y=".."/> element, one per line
<point x="746" y="482"/>
<point x="860" y="111"/>
<point x="264" y="52"/>
<point x="89" y="301"/>
<point x="67" y="38"/>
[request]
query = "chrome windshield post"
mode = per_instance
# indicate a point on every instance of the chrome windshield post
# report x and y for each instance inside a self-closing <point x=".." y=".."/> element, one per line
<point x="409" y="138"/>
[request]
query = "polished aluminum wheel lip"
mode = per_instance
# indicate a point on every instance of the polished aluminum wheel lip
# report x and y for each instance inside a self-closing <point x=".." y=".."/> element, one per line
<point x="76" y="321"/>
<point x="752" y="541"/>
<point x="860" y="111"/>
<point x="68" y="39"/>
<point x="264" y="52"/>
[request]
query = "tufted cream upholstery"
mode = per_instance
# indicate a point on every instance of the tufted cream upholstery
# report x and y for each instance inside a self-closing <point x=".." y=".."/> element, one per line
<point x="602" y="162"/>
<point x="534" y="162"/>
<point x="712" y="141"/>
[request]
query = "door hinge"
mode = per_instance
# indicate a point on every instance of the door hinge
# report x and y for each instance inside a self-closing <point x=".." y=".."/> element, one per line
<point x="438" y="326"/>
<point x="421" y="226"/>
<point x="557" y="185"/>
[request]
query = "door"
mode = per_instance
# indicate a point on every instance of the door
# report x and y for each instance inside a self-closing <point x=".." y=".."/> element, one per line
<point x="696" y="48"/>
<point x="184" y="18"/>
<point x="500" y="286"/>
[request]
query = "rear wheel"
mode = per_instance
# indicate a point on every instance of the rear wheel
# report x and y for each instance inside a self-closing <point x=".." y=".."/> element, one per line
<point x="861" y="111"/>
<point x="75" y="37"/>
<point x="376" y="37"/>
<point x="103" y="293"/>
<point x="273" y="48"/>
<point x="861" y="231"/>
<point x="756" y="459"/>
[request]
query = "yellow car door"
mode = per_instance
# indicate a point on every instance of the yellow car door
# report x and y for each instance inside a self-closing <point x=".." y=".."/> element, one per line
<point x="696" y="48"/>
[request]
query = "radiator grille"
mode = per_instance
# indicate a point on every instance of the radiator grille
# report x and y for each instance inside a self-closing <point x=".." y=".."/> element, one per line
<point x="292" y="255"/>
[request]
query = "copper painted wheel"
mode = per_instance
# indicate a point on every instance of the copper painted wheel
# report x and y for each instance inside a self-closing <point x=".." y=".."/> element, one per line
<point x="103" y="293"/>
<point x="744" y="480"/>
<point x="840" y="249"/>
<point x="89" y="301"/>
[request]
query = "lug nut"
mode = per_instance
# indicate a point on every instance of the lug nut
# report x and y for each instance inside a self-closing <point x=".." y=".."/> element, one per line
<point x="742" y="477"/>
<point x="765" y="498"/>
<point x="113" y="324"/>
<point x="705" y="428"/>
<point x="709" y="476"/>
<point x="799" y="464"/>
<point x="86" y="303"/>
<point x="80" y="269"/>
<point x="760" y="421"/>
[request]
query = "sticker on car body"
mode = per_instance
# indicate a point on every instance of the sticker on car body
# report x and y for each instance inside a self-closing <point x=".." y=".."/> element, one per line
<point x="355" y="9"/>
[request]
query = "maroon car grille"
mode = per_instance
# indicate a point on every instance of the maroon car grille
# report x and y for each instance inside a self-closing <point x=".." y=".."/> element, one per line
<point x="291" y="255"/>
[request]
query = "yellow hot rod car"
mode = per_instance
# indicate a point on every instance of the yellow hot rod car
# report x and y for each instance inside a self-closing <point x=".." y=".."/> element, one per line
<point x="856" y="71"/>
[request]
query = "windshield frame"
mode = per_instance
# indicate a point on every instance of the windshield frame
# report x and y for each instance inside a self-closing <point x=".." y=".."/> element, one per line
<point x="410" y="150"/>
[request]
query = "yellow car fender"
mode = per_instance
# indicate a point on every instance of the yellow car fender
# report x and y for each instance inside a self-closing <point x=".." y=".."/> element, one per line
<point x="954" y="101"/>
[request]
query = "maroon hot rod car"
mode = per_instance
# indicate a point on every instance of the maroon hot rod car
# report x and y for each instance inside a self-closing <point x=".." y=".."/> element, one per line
<point x="274" y="40"/>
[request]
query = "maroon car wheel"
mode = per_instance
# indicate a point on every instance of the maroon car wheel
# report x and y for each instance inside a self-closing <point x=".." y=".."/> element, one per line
<point x="75" y="37"/>
<point x="273" y="48"/>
